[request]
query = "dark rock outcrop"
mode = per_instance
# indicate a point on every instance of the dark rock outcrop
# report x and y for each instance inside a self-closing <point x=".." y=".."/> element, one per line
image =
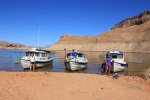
<point x="136" y="20"/>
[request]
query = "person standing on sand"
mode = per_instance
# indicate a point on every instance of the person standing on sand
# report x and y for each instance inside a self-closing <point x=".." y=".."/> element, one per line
<point x="32" y="61"/>
<point x="108" y="64"/>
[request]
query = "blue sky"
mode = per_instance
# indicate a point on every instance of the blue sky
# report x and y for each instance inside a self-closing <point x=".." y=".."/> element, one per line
<point x="20" y="19"/>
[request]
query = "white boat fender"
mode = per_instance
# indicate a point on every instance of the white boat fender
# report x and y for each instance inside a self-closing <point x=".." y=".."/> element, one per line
<point x="77" y="57"/>
<point x="76" y="60"/>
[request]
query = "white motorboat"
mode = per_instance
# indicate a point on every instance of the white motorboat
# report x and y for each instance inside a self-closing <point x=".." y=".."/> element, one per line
<point x="118" y="63"/>
<point x="77" y="63"/>
<point x="41" y="56"/>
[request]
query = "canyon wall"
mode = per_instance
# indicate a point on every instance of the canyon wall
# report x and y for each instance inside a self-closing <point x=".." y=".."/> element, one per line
<point x="134" y="38"/>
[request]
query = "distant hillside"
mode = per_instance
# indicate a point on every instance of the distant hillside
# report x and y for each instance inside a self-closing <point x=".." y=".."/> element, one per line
<point x="134" y="38"/>
<point x="136" y="20"/>
<point x="4" y="44"/>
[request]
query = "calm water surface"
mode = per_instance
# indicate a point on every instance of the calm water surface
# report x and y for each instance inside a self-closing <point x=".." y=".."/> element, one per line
<point x="138" y="62"/>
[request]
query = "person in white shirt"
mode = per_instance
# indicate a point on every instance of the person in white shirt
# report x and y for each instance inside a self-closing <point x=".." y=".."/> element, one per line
<point x="32" y="61"/>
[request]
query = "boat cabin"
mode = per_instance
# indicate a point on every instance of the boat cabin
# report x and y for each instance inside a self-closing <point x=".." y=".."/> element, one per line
<point x="115" y="54"/>
<point x="37" y="53"/>
<point x="78" y="54"/>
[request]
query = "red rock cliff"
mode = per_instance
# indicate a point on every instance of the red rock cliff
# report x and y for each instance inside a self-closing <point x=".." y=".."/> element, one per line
<point x="132" y="38"/>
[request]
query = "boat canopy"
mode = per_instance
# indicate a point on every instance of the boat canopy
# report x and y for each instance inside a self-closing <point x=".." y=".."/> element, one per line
<point x="36" y="52"/>
<point x="117" y="52"/>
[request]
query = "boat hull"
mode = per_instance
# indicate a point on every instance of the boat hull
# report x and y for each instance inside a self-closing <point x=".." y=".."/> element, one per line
<point x="73" y="66"/>
<point x="26" y="63"/>
<point x="75" y="63"/>
<point x="117" y="67"/>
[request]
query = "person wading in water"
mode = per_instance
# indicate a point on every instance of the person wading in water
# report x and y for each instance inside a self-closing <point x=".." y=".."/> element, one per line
<point x="108" y="64"/>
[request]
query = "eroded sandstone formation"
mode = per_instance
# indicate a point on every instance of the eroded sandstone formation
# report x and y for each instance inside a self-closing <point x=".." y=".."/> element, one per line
<point x="134" y="38"/>
<point x="136" y="20"/>
<point x="4" y="44"/>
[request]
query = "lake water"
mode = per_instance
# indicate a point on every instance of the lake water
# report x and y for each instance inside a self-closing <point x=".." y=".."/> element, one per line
<point x="138" y="62"/>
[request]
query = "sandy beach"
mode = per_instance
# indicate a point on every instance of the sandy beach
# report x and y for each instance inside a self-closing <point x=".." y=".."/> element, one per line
<point x="71" y="86"/>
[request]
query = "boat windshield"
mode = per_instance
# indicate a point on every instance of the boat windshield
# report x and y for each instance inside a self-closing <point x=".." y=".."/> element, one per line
<point x="44" y="55"/>
<point x="81" y="55"/>
<point x="115" y="56"/>
<point x="120" y="56"/>
<point x="35" y="53"/>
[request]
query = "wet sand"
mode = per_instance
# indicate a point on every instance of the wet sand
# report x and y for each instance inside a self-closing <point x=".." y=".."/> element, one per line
<point x="71" y="86"/>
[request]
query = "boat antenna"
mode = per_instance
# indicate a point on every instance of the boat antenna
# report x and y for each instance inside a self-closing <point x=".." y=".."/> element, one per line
<point x="38" y="37"/>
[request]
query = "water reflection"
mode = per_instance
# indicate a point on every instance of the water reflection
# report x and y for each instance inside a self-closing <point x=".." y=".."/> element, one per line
<point x="46" y="68"/>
